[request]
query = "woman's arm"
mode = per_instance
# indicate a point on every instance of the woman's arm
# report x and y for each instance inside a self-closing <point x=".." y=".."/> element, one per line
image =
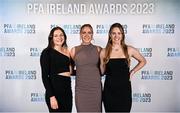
<point x="45" y="69"/>
<point x="133" y="52"/>
<point x="72" y="54"/>
<point x="102" y="63"/>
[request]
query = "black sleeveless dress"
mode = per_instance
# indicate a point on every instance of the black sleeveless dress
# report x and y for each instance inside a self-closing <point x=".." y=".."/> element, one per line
<point x="117" y="87"/>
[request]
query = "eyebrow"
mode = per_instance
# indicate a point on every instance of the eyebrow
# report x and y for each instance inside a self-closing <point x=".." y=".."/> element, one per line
<point x="87" y="32"/>
<point x="117" y="32"/>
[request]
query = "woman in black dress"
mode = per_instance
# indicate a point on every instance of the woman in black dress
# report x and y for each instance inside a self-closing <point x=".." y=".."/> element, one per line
<point x="55" y="67"/>
<point x="115" y="63"/>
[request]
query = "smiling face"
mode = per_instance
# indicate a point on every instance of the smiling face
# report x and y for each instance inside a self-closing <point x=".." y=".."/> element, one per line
<point x="86" y="35"/>
<point x="116" y="35"/>
<point x="58" y="38"/>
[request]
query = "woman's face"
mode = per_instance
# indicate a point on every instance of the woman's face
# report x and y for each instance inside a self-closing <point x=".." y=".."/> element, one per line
<point x="116" y="35"/>
<point x="58" y="38"/>
<point x="86" y="35"/>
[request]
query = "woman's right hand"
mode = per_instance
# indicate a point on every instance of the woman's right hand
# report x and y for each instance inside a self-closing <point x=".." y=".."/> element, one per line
<point x="53" y="102"/>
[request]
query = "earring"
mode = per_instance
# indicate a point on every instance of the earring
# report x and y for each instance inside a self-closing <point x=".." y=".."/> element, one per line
<point x="93" y="40"/>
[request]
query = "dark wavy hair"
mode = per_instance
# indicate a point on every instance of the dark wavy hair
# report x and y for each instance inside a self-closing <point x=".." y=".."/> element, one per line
<point x="51" y="35"/>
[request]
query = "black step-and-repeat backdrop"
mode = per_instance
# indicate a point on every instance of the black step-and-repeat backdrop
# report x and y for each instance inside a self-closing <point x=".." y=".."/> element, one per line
<point x="152" y="26"/>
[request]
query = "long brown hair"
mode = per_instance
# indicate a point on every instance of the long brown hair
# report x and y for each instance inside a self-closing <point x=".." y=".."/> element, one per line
<point x="109" y="43"/>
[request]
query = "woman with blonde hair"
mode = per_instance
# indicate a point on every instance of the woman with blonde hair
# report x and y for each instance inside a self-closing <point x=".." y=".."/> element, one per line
<point x="88" y="80"/>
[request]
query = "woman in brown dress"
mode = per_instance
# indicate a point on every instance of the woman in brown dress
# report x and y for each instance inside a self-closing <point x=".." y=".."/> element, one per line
<point x="88" y="87"/>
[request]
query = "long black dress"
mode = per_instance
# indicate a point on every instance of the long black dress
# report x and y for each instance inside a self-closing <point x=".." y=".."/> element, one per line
<point x="53" y="62"/>
<point x="117" y="87"/>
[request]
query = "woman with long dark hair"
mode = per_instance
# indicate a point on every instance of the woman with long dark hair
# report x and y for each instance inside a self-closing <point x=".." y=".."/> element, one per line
<point x="56" y="70"/>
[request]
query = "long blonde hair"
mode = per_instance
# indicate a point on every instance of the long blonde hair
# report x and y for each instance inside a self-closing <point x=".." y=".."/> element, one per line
<point x="109" y="43"/>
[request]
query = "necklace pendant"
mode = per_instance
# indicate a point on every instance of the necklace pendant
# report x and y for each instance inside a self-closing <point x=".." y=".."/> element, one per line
<point x="116" y="49"/>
